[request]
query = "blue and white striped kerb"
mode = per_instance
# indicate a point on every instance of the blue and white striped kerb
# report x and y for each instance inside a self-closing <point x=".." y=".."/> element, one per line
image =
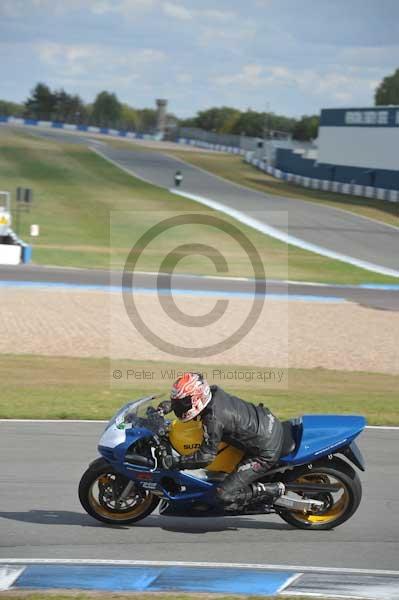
<point x="220" y="578"/>
<point x="117" y="578"/>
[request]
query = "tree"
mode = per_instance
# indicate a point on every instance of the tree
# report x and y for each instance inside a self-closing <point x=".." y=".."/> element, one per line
<point x="69" y="109"/>
<point x="107" y="110"/>
<point x="190" y="122"/>
<point x="306" y="128"/>
<point x="129" y="118"/>
<point x="225" y="119"/>
<point x="388" y="90"/>
<point x="220" y="119"/>
<point x="251" y="123"/>
<point x="40" y="105"/>
<point x="147" y="119"/>
<point x="11" y="109"/>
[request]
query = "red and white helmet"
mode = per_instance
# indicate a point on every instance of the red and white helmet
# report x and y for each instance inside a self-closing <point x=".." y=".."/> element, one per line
<point x="190" y="394"/>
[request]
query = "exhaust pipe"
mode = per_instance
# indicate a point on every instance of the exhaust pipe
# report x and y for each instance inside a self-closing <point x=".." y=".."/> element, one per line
<point x="299" y="504"/>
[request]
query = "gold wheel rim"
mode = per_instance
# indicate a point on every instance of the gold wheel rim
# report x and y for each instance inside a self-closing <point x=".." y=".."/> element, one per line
<point x="136" y="510"/>
<point x="336" y="510"/>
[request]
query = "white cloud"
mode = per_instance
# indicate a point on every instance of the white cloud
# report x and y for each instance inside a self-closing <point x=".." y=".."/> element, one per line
<point x="181" y="12"/>
<point x="184" y="78"/>
<point x="101" y="7"/>
<point x="338" y="86"/>
<point x="177" y="11"/>
<point x="230" y="37"/>
<point x="369" y="56"/>
<point x="250" y="75"/>
<point x="131" y="8"/>
<point x="127" y="8"/>
<point x="203" y="52"/>
<point x="216" y="15"/>
<point x="95" y="61"/>
<point x="11" y="8"/>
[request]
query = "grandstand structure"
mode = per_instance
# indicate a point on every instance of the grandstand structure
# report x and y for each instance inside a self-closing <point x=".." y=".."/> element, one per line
<point x="355" y="145"/>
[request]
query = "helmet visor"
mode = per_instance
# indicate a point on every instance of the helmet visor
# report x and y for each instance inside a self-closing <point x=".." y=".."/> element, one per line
<point x="181" y="406"/>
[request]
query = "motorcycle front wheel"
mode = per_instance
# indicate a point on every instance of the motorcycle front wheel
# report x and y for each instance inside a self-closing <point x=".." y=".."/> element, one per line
<point x="99" y="492"/>
<point x="339" y="505"/>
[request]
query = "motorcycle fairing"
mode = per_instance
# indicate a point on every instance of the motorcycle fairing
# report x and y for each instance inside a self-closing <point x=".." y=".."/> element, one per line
<point x="114" y="445"/>
<point x="321" y="435"/>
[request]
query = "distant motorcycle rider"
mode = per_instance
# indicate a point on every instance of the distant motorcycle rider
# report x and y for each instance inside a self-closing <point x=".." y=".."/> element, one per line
<point x="178" y="178"/>
<point x="227" y="418"/>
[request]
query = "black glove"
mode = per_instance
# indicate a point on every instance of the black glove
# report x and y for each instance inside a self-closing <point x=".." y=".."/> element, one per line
<point x="164" y="407"/>
<point x="170" y="463"/>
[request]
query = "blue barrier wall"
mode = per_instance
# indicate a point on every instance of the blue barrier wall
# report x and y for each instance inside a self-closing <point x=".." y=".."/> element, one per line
<point x="74" y="127"/>
<point x="290" y="162"/>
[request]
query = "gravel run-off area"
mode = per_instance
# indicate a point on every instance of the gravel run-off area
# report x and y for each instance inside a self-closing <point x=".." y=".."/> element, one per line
<point x="296" y="334"/>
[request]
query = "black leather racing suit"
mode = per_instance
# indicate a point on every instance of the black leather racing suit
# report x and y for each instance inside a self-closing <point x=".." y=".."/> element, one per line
<point x="253" y="429"/>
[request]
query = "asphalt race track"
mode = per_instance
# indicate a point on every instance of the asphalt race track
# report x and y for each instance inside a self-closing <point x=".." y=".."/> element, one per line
<point x="336" y="230"/>
<point x="40" y="515"/>
<point x="379" y="298"/>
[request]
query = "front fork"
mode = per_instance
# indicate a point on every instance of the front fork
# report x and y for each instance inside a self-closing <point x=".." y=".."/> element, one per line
<point x="126" y="492"/>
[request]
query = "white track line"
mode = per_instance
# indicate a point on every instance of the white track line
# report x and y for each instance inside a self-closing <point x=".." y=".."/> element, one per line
<point x="290" y="581"/>
<point x="262" y="227"/>
<point x="8" y="576"/>
<point x="286" y="237"/>
<point x="216" y="565"/>
<point x="307" y="201"/>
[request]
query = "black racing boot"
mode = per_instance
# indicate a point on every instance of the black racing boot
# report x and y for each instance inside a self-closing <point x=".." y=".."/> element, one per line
<point x="268" y="492"/>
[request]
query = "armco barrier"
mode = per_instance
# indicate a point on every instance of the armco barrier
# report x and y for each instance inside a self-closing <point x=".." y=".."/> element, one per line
<point x="351" y="189"/>
<point x="73" y="127"/>
<point x="214" y="147"/>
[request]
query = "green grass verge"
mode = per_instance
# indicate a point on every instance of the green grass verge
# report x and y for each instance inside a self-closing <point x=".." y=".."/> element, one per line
<point x="41" y="387"/>
<point x="235" y="169"/>
<point x="75" y="191"/>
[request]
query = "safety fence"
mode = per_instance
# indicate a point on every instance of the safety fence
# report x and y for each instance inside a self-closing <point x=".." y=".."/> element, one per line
<point x="209" y="146"/>
<point x="77" y="127"/>
<point x="351" y="189"/>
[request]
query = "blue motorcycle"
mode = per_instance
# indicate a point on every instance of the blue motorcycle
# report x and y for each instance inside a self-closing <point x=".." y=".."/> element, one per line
<point x="128" y="482"/>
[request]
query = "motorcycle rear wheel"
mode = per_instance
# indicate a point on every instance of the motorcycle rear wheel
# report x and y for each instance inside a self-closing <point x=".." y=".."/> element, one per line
<point x="99" y="486"/>
<point x="339" y="506"/>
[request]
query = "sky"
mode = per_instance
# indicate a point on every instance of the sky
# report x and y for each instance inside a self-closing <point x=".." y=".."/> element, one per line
<point x="292" y="57"/>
